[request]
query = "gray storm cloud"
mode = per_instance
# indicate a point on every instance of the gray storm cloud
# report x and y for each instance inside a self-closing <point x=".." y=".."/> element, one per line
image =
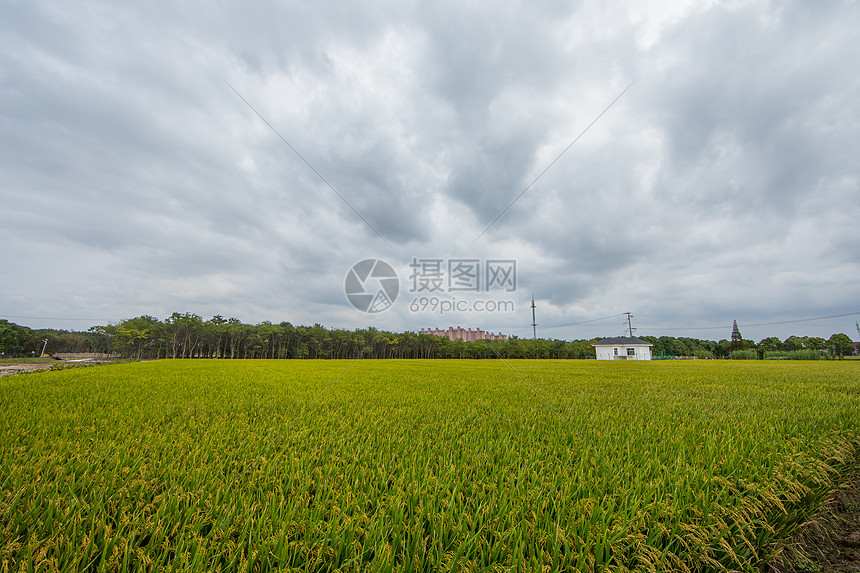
<point x="723" y="185"/>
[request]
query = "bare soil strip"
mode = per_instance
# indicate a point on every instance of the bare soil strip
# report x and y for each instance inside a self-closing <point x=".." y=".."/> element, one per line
<point x="830" y="542"/>
<point x="9" y="369"/>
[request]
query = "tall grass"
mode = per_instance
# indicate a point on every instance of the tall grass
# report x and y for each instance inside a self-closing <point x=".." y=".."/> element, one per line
<point x="793" y="355"/>
<point x="744" y="354"/>
<point x="419" y="466"/>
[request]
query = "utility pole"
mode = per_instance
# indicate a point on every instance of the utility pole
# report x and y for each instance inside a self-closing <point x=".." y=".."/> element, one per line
<point x="629" y="324"/>
<point x="534" y="323"/>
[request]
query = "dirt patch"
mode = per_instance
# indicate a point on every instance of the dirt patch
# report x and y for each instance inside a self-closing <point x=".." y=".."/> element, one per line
<point x="9" y="369"/>
<point x="831" y="539"/>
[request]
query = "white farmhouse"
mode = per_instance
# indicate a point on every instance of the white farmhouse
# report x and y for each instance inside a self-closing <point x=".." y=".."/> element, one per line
<point x="623" y="348"/>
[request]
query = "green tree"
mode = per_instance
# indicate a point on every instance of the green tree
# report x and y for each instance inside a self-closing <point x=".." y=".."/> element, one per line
<point x="770" y="344"/>
<point x="135" y="337"/>
<point x="793" y="343"/>
<point x="840" y="345"/>
<point x="13" y="339"/>
<point x="737" y="339"/>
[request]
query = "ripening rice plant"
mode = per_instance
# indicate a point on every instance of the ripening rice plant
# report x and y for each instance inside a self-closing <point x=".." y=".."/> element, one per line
<point x="419" y="465"/>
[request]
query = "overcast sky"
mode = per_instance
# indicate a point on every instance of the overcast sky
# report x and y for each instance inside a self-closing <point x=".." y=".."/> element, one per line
<point x="723" y="184"/>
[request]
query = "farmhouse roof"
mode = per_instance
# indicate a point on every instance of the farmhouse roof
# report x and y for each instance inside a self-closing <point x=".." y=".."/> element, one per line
<point x="622" y="341"/>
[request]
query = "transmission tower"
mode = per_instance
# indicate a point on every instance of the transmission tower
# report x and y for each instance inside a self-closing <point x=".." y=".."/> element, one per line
<point x="629" y="324"/>
<point x="534" y="323"/>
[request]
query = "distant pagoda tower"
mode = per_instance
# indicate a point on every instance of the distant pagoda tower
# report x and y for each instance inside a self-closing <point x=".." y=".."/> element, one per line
<point x="737" y="339"/>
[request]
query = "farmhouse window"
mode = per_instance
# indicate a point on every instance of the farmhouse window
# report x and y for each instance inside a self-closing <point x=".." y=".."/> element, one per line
<point x="631" y="352"/>
<point x="616" y="351"/>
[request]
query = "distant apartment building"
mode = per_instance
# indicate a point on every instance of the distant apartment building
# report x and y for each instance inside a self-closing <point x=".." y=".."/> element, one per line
<point x="464" y="335"/>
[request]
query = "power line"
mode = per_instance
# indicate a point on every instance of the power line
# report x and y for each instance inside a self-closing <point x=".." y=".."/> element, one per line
<point x="804" y="319"/>
<point x="587" y="321"/>
<point x="324" y="180"/>
<point x="752" y="324"/>
<point x="553" y="162"/>
<point x="57" y="318"/>
<point x="720" y="327"/>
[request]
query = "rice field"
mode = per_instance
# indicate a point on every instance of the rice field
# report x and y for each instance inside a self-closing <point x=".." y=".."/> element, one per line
<point x="419" y="465"/>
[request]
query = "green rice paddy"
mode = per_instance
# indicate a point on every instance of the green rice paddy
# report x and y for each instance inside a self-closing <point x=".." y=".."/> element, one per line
<point x="199" y="465"/>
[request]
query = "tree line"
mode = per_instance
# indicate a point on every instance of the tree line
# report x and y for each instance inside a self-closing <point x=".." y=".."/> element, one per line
<point x="190" y="336"/>
<point x="793" y="347"/>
